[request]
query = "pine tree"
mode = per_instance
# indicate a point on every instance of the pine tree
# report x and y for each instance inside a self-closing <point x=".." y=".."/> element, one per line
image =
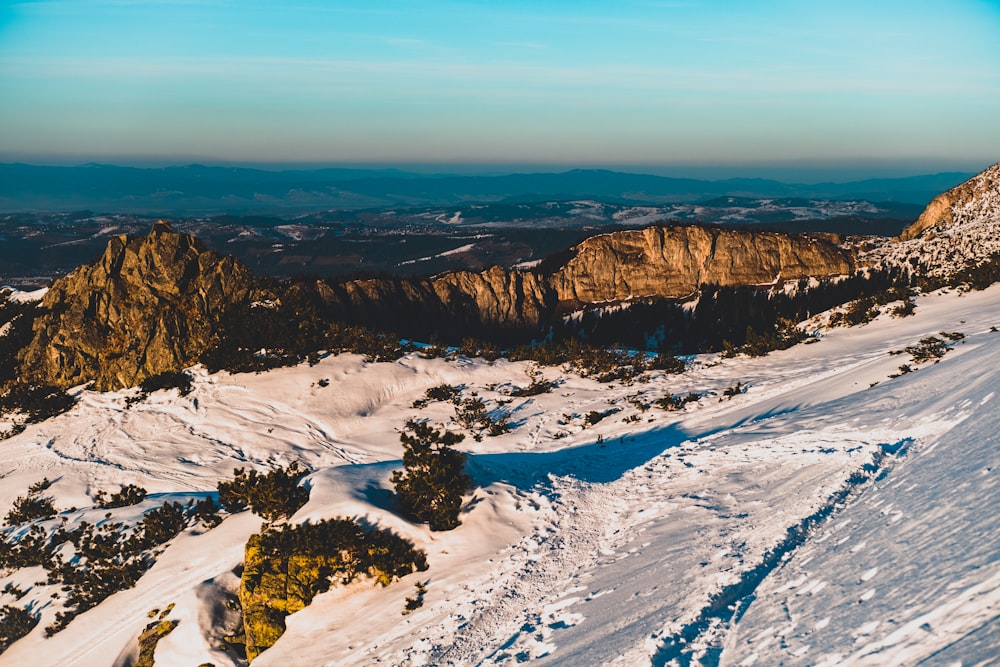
<point x="274" y="495"/>
<point x="433" y="479"/>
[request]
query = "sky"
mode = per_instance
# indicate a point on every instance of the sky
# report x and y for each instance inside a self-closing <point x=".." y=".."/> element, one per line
<point x="856" y="85"/>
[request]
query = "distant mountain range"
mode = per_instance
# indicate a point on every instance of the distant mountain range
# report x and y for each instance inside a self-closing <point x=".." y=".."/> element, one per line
<point x="198" y="189"/>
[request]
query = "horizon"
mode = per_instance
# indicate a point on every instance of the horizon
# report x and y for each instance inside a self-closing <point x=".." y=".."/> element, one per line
<point x="651" y="87"/>
<point x="811" y="175"/>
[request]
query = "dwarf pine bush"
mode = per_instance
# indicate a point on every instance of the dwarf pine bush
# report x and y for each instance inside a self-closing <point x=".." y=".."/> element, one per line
<point x="433" y="480"/>
<point x="274" y="495"/>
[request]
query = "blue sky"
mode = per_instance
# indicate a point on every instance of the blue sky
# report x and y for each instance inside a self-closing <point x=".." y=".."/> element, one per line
<point x="871" y="85"/>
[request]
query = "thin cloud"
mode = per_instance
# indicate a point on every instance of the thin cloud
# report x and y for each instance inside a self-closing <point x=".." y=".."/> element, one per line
<point x="673" y="80"/>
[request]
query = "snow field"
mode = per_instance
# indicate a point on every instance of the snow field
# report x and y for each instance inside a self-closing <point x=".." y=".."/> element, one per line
<point x="598" y="545"/>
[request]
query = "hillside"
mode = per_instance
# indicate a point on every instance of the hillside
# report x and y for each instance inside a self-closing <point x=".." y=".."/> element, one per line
<point x="599" y="545"/>
<point x="958" y="229"/>
<point x="828" y="503"/>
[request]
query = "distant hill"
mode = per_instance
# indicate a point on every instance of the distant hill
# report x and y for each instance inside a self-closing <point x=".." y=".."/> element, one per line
<point x="198" y="189"/>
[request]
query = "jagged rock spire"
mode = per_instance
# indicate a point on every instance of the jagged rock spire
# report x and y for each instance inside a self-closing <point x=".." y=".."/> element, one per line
<point x="145" y="306"/>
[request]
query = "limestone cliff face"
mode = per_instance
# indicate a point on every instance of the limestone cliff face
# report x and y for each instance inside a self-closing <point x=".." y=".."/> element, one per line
<point x="675" y="261"/>
<point x="973" y="200"/>
<point x="668" y="262"/>
<point x="497" y="296"/>
<point x="146" y="306"/>
<point x="153" y="304"/>
<point x="489" y="302"/>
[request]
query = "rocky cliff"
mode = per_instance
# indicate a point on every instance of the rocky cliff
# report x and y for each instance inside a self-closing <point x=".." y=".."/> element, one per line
<point x="973" y="200"/>
<point x="659" y="261"/>
<point x="493" y="303"/>
<point x="675" y="261"/>
<point x="959" y="230"/>
<point x="145" y="306"/>
<point x="153" y="304"/>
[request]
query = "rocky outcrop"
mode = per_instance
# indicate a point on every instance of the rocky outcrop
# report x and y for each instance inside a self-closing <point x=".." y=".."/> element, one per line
<point x="673" y="262"/>
<point x="497" y="296"/>
<point x="667" y="262"/>
<point x="496" y="303"/>
<point x="271" y="589"/>
<point x="975" y="199"/>
<point x="958" y="231"/>
<point x="284" y="569"/>
<point x="153" y="304"/>
<point x="146" y="306"/>
<point x="151" y="636"/>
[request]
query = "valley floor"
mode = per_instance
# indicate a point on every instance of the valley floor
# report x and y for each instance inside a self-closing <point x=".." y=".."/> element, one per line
<point x="827" y="515"/>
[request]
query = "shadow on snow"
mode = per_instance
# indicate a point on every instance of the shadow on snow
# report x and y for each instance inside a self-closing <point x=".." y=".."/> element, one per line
<point x="599" y="462"/>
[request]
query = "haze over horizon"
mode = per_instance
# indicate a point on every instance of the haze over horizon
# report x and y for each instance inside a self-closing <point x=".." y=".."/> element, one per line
<point x="770" y="89"/>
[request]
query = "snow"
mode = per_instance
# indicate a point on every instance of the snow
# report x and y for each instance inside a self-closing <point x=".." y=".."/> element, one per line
<point x="447" y="253"/>
<point x="912" y="566"/>
<point x="527" y="264"/>
<point x="815" y="519"/>
<point x="972" y="237"/>
<point x="26" y="297"/>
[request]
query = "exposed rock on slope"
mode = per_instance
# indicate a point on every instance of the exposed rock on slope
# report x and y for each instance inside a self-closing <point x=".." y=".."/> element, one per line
<point x="667" y="262"/>
<point x="270" y="591"/>
<point x="146" y="306"/>
<point x="285" y="569"/>
<point x="958" y="229"/>
<point x="153" y="304"/>
<point x="975" y="199"/>
<point x="497" y="296"/>
<point x="675" y="261"/>
<point x="496" y="299"/>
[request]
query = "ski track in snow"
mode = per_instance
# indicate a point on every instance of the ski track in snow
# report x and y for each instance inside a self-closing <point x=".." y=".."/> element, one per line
<point x="514" y="623"/>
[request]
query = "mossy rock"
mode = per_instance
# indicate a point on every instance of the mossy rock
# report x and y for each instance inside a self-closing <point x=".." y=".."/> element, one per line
<point x="273" y="588"/>
<point x="149" y="638"/>
<point x="285" y="569"/>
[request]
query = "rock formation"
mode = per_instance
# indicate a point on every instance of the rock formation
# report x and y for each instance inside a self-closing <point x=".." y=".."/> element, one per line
<point x="959" y="230"/>
<point x="498" y="297"/>
<point x="673" y="262"/>
<point x="146" y="306"/>
<point x="270" y="590"/>
<point x="667" y="262"/>
<point x="977" y="198"/>
<point x="284" y="569"/>
<point x="153" y="304"/>
<point x="488" y="303"/>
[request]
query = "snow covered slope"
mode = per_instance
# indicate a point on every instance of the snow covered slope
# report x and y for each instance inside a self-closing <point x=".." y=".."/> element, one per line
<point x="828" y="515"/>
<point x="959" y="228"/>
<point x="909" y="571"/>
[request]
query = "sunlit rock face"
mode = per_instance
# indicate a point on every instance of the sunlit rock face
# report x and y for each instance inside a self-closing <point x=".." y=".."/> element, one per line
<point x="145" y="306"/>
<point x="668" y="262"/>
<point x="675" y="261"/>
<point x="153" y="304"/>
<point x="976" y="199"/>
<point x="497" y="295"/>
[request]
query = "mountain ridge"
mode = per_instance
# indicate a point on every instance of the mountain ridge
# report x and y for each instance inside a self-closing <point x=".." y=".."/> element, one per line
<point x="205" y="189"/>
<point x="152" y="304"/>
